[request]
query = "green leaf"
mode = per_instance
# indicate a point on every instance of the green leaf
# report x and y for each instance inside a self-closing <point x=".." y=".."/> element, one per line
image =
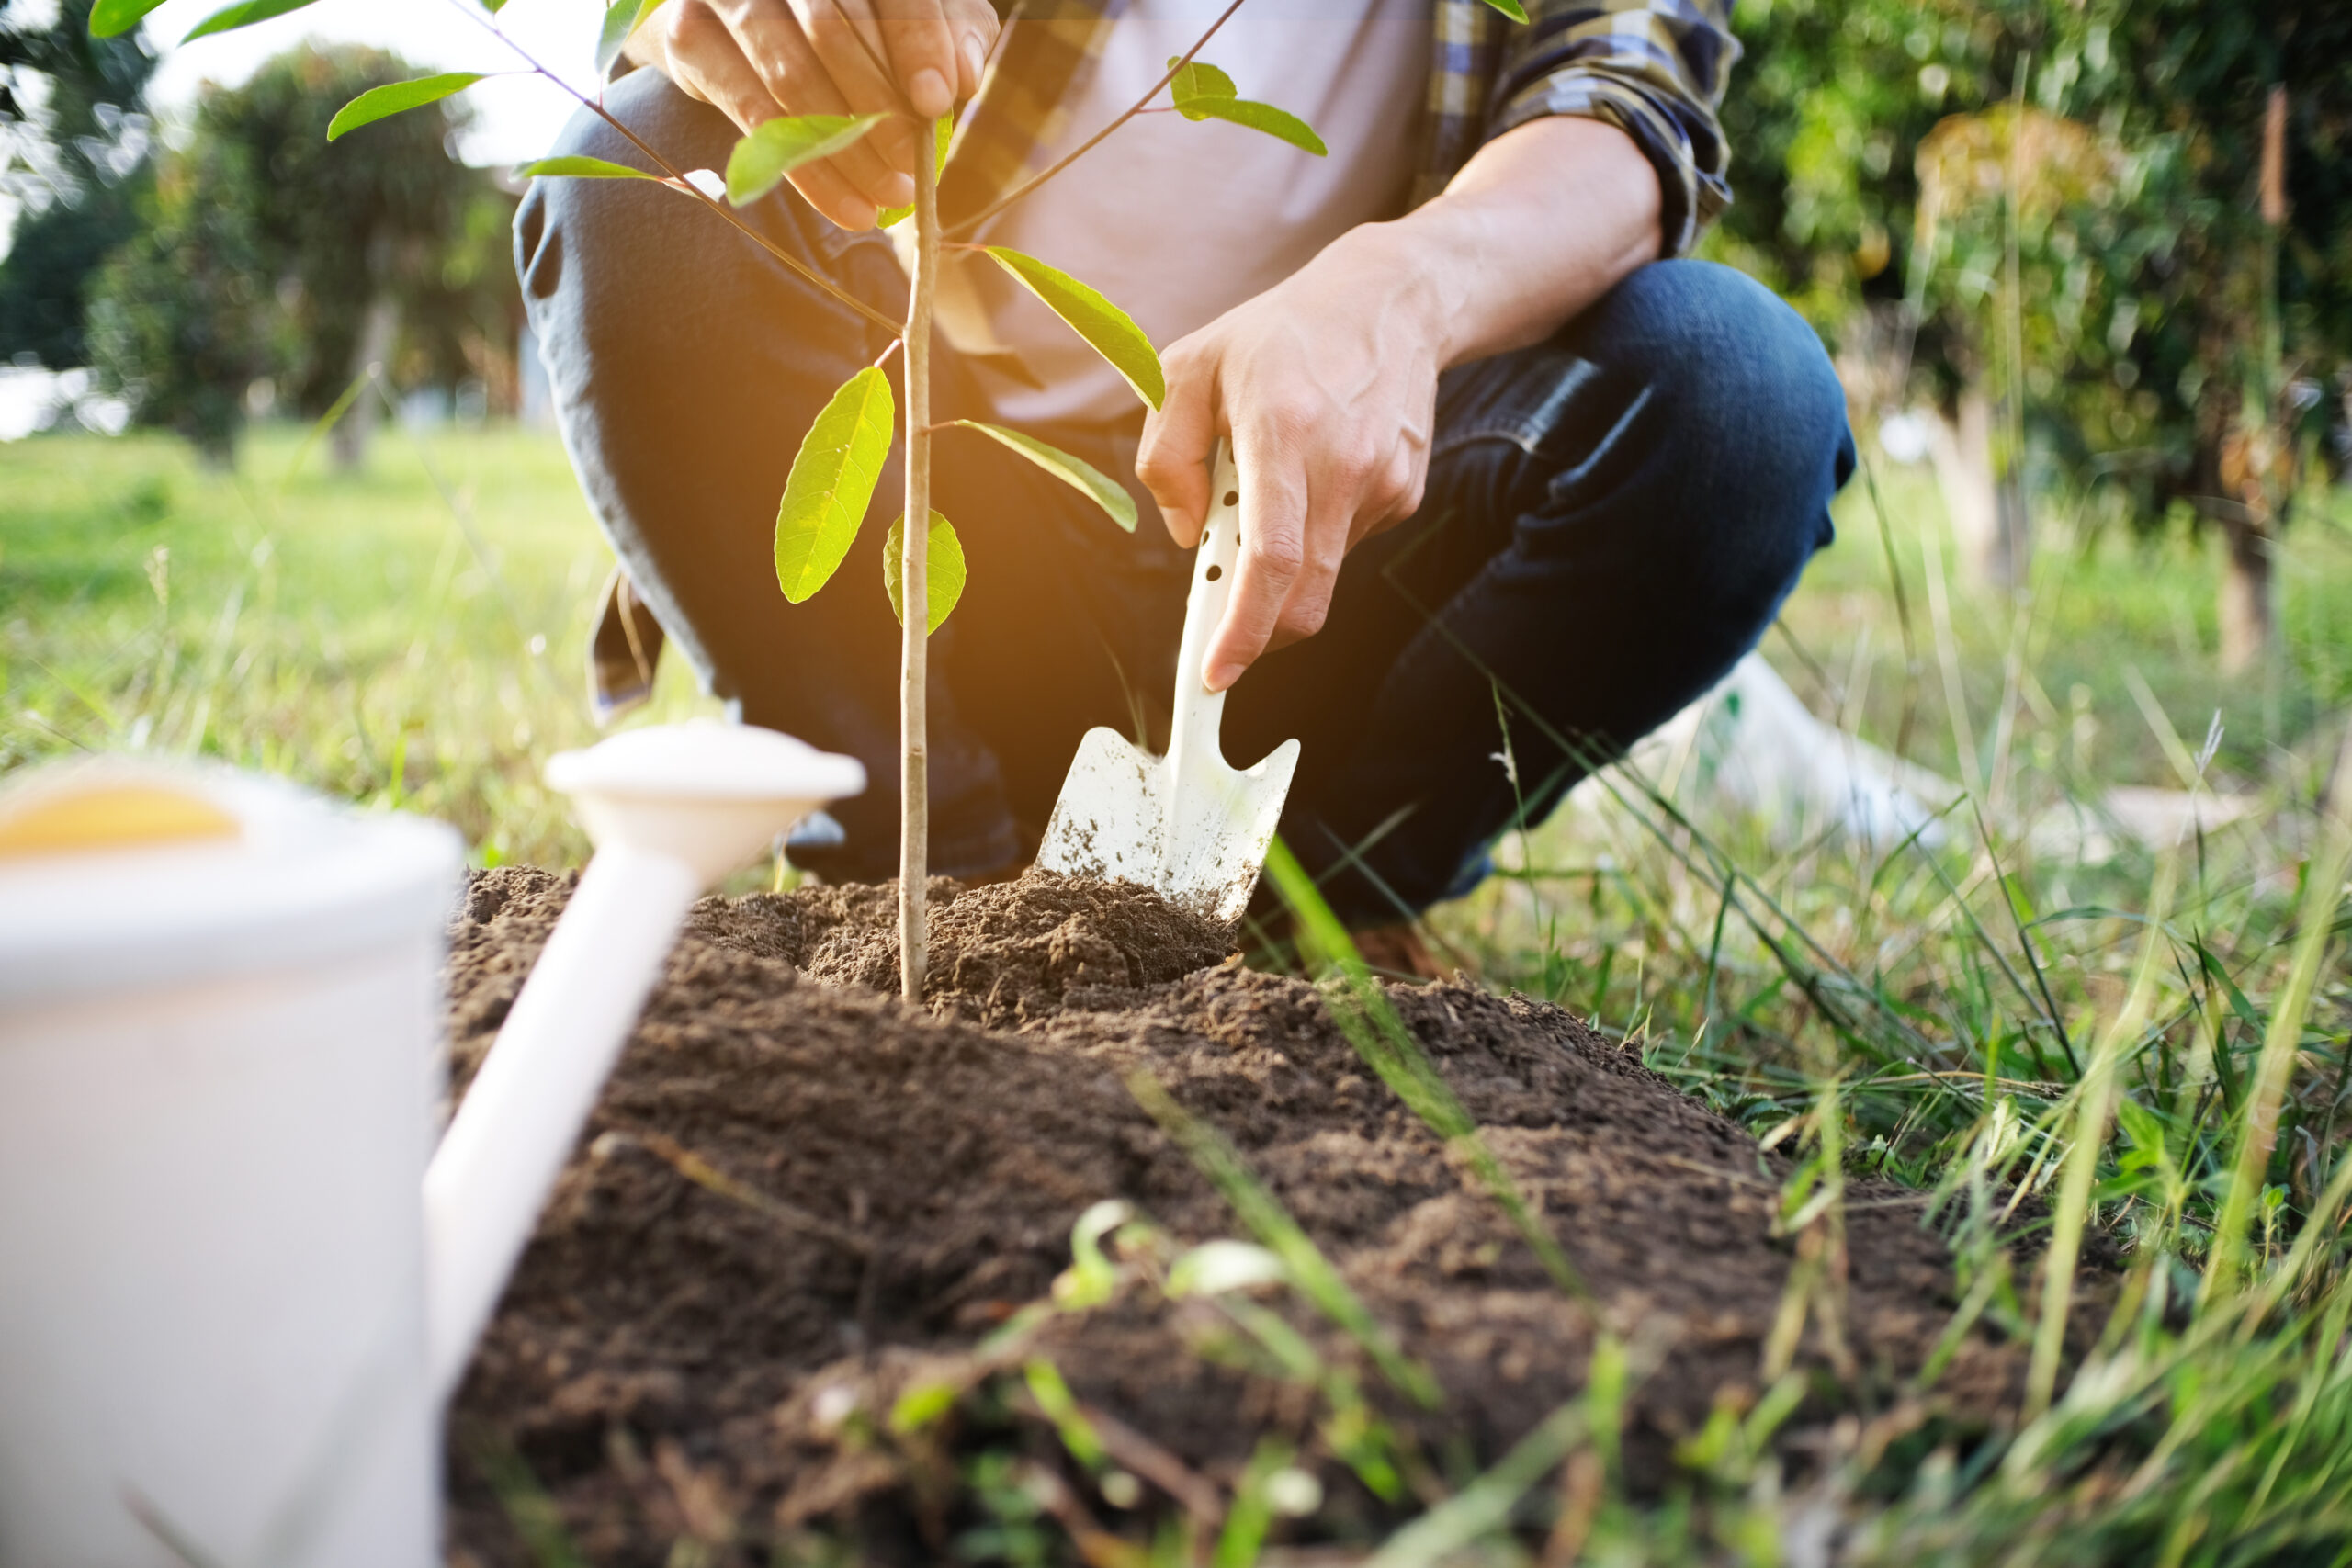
<point x="942" y="572"/>
<point x="1058" y="1405"/>
<point x="622" y="17"/>
<point x="245" y="14"/>
<point x="1195" y="80"/>
<point x="920" y="1405"/>
<point x="1281" y="124"/>
<point x="1511" y="9"/>
<point x="946" y="134"/>
<point x="396" y="97"/>
<point x="1105" y="492"/>
<point x="112" y="19"/>
<point x="1111" y="331"/>
<point x="1202" y="92"/>
<point x="781" y="145"/>
<point x="575" y="166"/>
<point x="832" y="481"/>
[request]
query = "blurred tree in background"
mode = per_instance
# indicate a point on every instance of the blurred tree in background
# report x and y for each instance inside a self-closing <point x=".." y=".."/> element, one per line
<point x="274" y="268"/>
<point x="74" y="145"/>
<point x="2047" y="218"/>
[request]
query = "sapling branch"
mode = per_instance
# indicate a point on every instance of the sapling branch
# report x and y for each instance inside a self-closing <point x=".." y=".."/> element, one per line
<point x="678" y="178"/>
<point x="832" y="477"/>
<point x="914" y="778"/>
<point x="1083" y="148"/>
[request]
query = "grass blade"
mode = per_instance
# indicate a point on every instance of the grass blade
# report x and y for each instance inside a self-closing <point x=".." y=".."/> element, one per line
<point x="1486" y="1504"/>
<point x="1272" y="1225"/>
<point x="2282" y="1040"/>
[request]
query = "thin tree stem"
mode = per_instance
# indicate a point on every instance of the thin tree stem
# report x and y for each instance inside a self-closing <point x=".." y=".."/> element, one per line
<point x="677" y="180"/>
<point x="914" y="597"/>
<point x="1083" y="148"/>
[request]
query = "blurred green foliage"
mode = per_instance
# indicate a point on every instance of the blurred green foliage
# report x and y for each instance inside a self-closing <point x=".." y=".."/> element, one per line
<point x="1887" y="152"/>
<point x="263" y="250"/>
<point x="76" y="164"/>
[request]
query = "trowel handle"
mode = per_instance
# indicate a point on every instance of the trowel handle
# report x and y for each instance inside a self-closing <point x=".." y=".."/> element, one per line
<point x="1198" y="710"/>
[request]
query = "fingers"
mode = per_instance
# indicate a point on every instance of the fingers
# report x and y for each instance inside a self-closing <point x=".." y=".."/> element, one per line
<point x="1273" y="551"/>
<point x="754" y="58"/>
<point x="1173" y="460"/>
<point x="1396" y="489"/>
<point x="726" y="80"/>
<point x="1309" y="493"/>
<point x="1324" y="541"/>
<point x="976" y="26"/>
<point x="849" y="43"/>
<point x="767" y="36"/>
<point x="923" y="52"/>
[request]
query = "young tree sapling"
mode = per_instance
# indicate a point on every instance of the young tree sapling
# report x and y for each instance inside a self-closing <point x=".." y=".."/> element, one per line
<point x="840" y="458"/>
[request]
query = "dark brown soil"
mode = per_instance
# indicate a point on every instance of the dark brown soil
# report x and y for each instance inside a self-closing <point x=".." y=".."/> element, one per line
<point x="800" y="1196"/>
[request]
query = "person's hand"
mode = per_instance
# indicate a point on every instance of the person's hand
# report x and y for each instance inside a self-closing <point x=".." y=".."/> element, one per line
<point x="1326" y="384"/>
<point x="754" y="60"/>
<point x="1327" y="381"/>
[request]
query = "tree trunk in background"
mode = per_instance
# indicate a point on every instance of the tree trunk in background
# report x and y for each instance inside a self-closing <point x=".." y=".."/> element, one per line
<point x="2257" y="463"/>
<point x="2248" y="596"/>
<point x="378" y="328"/>
<point x="1978" y="504"/>
<point x="2233" y="479"/>
<point x="2009" y="561"/>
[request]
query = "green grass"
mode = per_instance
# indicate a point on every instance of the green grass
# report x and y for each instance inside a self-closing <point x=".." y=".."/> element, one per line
<point x="2154" y="1040"/>
<point x="410" y="635"/>
<point x="2101" y="598"/>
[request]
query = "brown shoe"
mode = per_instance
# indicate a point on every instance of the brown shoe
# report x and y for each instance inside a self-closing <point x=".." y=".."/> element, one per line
<point x="1398" y="949"/>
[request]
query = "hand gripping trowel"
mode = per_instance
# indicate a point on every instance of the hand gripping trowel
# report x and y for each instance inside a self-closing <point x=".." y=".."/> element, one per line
<point x="1185" y="824"/>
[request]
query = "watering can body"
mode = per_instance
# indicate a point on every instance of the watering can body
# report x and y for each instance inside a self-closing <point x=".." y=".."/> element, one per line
<point x="237" y="1277"/>
<point x="217" y="1074"/>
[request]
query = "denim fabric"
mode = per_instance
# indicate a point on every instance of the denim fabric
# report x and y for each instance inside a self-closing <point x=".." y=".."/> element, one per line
<point x="1613" y="519"/>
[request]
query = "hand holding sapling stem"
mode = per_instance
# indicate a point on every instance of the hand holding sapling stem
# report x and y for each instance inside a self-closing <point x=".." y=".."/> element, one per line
<point x="864" y="88"/>
<point x="754" y="60"/>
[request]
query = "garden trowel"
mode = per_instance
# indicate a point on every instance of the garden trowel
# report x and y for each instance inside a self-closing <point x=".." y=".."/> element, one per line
<point x="1185" y="824"/>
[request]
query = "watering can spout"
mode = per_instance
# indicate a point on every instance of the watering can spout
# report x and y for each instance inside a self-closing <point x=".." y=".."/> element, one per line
<point x="671" y="810"/>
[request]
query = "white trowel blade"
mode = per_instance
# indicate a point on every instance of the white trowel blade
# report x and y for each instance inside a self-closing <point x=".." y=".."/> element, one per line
<point x="1186" y="824"/>
<point x="1107" y="823"/>
<point x="1224" y="821"/>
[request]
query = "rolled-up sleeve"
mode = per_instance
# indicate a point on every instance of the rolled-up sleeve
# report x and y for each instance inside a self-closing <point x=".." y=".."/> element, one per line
<point x="1653" y="68"/>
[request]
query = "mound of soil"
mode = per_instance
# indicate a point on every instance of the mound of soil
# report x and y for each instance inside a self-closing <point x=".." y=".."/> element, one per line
<point x="800" y="1196"/>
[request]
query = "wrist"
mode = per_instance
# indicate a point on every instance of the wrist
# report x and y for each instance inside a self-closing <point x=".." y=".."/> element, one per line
<point x="1393" y="274"/>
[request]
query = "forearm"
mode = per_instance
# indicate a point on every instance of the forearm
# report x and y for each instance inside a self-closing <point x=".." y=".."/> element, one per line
<point x="1543" y="220"/>
<point x="1327" y="381"/>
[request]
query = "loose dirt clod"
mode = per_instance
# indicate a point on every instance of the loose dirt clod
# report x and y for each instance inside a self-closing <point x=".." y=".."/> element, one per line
<point x="799" y="1196"/>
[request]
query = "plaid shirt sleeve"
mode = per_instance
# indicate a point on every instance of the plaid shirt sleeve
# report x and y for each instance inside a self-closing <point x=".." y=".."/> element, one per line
<point x="1653" y="68"/>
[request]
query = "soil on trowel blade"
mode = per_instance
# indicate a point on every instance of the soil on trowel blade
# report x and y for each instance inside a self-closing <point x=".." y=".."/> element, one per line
<point x="801" y="1197"/>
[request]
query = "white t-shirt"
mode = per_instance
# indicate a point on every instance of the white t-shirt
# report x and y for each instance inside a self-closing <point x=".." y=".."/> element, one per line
<point x="1178" y="221"/>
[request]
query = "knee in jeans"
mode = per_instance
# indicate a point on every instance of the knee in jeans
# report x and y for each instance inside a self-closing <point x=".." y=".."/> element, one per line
<point x="558" y="214"/>
<point x="1755" y="408"/>
<point x="1739" y="368"/>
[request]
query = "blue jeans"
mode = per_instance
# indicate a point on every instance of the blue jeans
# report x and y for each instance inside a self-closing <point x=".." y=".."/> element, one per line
<point x="1613" y="519"/>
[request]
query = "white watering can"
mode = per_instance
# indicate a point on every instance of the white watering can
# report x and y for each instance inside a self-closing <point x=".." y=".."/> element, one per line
<point x="227" y="1325"/>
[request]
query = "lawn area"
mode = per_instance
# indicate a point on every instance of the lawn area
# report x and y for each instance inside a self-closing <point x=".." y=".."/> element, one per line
<point x="2147" y="1037"/>
<point x="410" y="635"/>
